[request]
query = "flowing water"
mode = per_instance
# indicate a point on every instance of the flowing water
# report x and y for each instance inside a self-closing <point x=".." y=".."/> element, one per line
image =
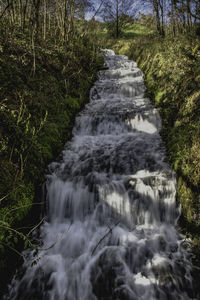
<point x="110" y="231"/>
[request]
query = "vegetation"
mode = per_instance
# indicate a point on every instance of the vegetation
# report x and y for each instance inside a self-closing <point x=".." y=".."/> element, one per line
<point x="114" y="13"/>
<point x="46" y="71"/>
<point x="174" y="16"/>
<point x="172" y="75"/>
<point x="49" y="56"/>
<point x="171" y="65"/>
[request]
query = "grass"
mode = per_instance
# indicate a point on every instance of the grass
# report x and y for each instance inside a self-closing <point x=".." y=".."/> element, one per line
<point x="130" y="32"/>
<point x="172" y="76"/>
<point x="172" y="67"/>
<point x="37" y="112"/>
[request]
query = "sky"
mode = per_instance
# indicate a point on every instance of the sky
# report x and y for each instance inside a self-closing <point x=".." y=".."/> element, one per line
<point x="136" y="6"/>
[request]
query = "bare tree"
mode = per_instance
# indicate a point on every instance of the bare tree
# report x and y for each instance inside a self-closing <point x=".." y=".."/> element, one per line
<point x="158" y="7"/>
<point x="112" y="10"/>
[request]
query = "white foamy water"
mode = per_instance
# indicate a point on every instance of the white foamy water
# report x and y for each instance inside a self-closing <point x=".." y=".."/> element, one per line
<point x="110" y="231"/>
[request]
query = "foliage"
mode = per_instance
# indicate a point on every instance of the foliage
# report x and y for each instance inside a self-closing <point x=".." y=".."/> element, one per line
<point x="172" y="67"/>
<point x="40" y="95"/>
<point x="172" y="73"/>
<point x="114" y="13"/>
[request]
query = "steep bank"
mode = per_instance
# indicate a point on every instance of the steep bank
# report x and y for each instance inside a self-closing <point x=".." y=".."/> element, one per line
<point x="42" y="89"/>
<point x="110" y="230"/>
<point x="172" y="76"/>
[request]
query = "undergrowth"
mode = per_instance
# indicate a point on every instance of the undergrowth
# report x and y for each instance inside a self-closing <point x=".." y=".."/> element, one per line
<point x="41" y="91"/>
<point x="172" y="75"/>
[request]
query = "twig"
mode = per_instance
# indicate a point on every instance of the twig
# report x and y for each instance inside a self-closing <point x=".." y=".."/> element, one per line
<point x="20" y="254"/>
<point x="25" y="227"/>
<point x="20" y="234"/>
<point x="58" y="240"/>
<point x="1" y="199"/>
<point x="20" y="207"/>
<point x="2" y="14"/>
<point x="110" y="231"/>
<point x="98" y="9"/>
<point x="36" y="226"/>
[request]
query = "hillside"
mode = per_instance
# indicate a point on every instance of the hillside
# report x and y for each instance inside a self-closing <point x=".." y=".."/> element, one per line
<point x="172" y="75"/>
<point x="45" y="79"/>
<point x="41" y="92"/>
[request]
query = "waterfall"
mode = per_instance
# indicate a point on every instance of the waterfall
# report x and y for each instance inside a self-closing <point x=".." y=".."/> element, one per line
<point x="111" y="227"/>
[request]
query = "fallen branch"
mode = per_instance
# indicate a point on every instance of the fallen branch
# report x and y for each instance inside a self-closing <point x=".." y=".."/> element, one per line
<point x="110" y="231"/>
<point x="58" y="240"/>
<point x="35" y="227"/>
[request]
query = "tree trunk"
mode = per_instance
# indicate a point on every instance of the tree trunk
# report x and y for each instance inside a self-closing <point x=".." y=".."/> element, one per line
<point x="36" y="4"/>
<point x="44" y="20"/>
<point x="117" y="18"/>
<point x="189" y="19"/>
<point x="156" y="10"/>
<point x="161" y="4"/>
<point x="24" y="15"/>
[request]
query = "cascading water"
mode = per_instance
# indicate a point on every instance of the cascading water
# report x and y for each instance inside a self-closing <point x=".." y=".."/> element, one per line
<point x="111" y="230"/>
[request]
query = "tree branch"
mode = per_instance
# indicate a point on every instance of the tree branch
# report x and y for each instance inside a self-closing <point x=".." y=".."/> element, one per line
<point x="110" y="231"/>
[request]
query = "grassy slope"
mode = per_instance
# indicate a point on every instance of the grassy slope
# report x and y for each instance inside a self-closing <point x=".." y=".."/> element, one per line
<point x="37" y="113"/>
<point x="172" y="75"/>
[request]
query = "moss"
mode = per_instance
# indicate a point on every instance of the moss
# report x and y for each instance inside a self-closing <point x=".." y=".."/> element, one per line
<point x="186" y="196"/>
<point x="171" y="67"/>
<point x="37" y="112"/>
<point x="160" y="97"/>
<point x="170" y="79"/>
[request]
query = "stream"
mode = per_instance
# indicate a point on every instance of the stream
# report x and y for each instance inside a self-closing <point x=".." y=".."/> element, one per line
<point x="110" y="232"/>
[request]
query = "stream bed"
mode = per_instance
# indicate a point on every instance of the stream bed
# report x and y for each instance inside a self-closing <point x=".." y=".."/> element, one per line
<point x="110" y="232"/>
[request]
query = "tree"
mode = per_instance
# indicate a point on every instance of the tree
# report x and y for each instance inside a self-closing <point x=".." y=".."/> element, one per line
<point x="113" y="10"/>
<point x="43" y="17"/>
<point x="82" y="6"/>
<point x="177" y="16"/>
<point x="158" y="7"/>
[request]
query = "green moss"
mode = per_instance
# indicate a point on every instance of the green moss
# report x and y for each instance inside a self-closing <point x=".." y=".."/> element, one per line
<point x="172" y="67"/>
<point x="160" y="97"/>
<point x="37" y="112"/>
<point x="186" y="196"/>
<point x="170" y="78"/>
